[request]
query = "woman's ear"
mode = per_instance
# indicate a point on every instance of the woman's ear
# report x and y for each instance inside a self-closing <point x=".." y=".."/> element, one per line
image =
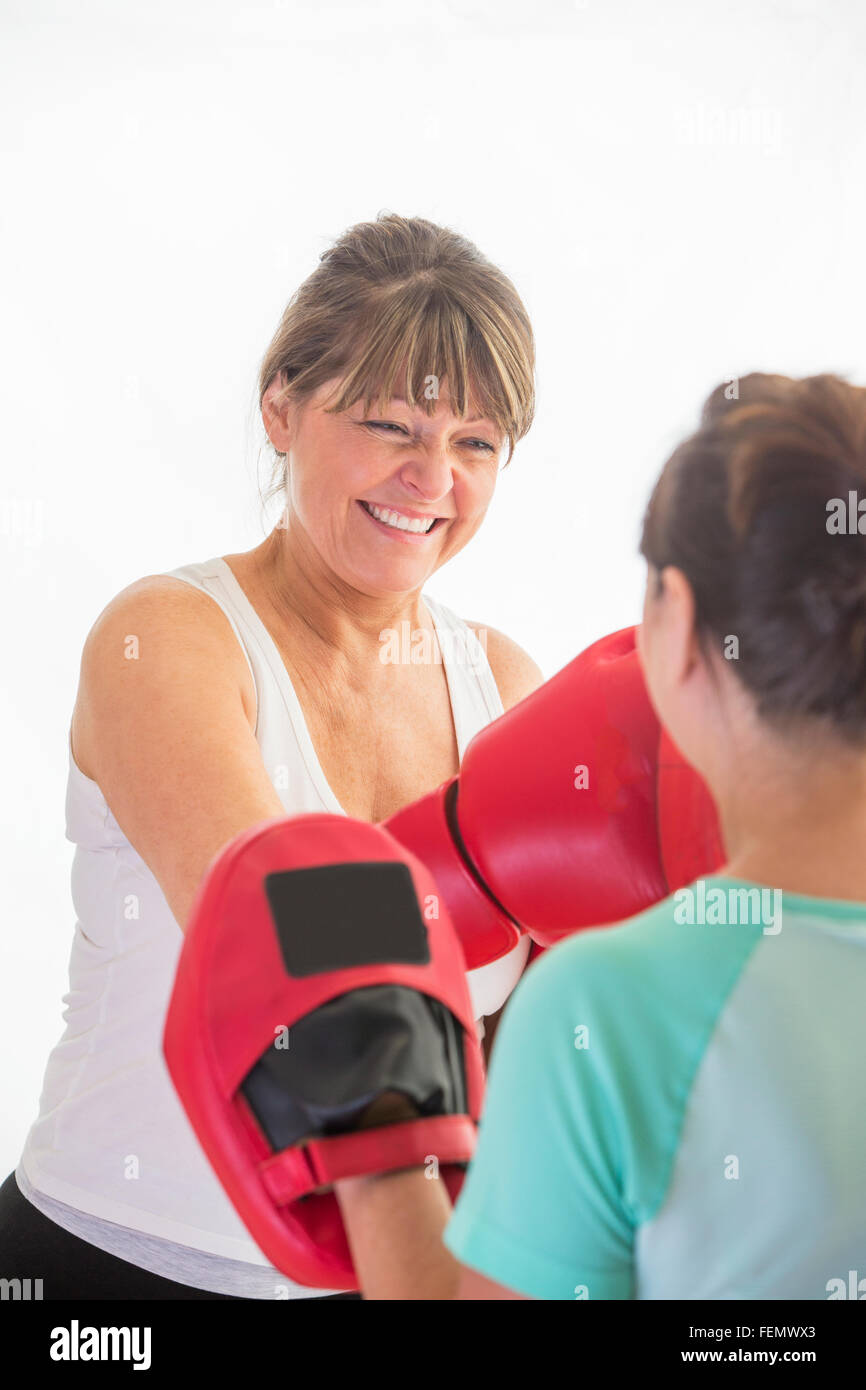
<point x="666" y="639"/>
<point x="677" y="611"/>
<point x="277" y="414"/>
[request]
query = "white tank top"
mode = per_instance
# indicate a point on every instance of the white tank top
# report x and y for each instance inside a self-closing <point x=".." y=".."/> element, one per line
<point x="111" y="1156"/>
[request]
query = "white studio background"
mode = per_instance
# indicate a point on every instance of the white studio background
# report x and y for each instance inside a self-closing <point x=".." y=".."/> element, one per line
<point x="676" y="190"/>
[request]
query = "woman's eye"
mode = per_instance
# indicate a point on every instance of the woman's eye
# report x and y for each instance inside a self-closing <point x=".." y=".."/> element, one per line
<point x="384" y="425"/>
<point x="481" y="444"/>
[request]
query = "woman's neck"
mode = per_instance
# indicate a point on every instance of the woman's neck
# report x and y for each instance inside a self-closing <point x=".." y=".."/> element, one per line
<point x="799" y="825"/>
<point x="338" y="627"/>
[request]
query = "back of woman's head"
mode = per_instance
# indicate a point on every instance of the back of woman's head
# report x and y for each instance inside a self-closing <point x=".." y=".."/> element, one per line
<point x="761" y="510"/>
<point x="402" y="295"/>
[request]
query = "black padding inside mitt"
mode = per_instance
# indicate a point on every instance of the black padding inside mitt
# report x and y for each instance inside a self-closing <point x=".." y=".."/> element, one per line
<point x="341" y="1057"/>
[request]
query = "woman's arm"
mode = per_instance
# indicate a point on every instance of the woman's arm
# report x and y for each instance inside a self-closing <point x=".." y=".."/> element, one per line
<point x="163" y="723"/>
<point x="395" y="1222"/>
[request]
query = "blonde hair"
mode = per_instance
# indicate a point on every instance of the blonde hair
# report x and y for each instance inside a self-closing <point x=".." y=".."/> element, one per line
<point x="402" y="292"/>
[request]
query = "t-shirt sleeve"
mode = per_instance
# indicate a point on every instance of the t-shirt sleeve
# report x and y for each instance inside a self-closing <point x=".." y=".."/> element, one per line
<point x="541" y="1210"/>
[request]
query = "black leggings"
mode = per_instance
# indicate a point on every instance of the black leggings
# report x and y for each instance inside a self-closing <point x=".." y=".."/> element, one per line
<point x="34" y="1247"/>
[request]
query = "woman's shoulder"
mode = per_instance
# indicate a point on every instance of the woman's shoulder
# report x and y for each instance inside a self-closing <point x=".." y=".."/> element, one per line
<point x="514" y="670"/>
<point x="167" y="631"/>
<point x="163" y="602"/>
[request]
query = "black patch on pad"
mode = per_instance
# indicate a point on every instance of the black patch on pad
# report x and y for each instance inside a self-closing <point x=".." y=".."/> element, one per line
<point x="338" y="916"/>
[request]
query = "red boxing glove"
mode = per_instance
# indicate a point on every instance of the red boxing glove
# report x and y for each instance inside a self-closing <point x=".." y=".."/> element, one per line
<point x="564" y="814"/>
<point x="320" y="1028"/>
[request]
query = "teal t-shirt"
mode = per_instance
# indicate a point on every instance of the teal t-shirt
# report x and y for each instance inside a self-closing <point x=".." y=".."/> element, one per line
<point x="676" y="1108"/>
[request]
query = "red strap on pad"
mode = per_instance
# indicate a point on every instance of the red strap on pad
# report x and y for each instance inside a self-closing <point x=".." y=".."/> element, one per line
<point x="296" y="1172"/>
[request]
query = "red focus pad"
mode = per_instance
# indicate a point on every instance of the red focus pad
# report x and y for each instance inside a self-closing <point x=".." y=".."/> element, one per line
<point x="246" y="973"/>
<point x="557" y="799"/>
<point x="689" y="831"/>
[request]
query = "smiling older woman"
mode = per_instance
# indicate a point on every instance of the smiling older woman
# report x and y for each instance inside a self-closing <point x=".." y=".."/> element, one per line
<point x="261" y="683"/>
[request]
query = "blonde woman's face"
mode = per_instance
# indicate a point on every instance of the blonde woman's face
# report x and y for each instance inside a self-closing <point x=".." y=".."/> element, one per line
<point x="388" y="495"/>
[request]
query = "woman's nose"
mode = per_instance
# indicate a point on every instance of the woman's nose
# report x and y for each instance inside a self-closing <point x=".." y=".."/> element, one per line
<point x="428" y="472"/>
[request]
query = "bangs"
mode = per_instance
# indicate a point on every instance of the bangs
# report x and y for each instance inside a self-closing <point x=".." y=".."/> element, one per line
<point x="418" y="337"/>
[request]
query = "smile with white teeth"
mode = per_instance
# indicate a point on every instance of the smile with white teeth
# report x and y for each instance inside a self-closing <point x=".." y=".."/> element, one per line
<point x="398" y="520"/>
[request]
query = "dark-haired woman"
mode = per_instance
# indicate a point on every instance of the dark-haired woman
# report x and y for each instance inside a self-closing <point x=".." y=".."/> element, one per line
<point x="710" y="1140"/>
<point x="258" y="684"/>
